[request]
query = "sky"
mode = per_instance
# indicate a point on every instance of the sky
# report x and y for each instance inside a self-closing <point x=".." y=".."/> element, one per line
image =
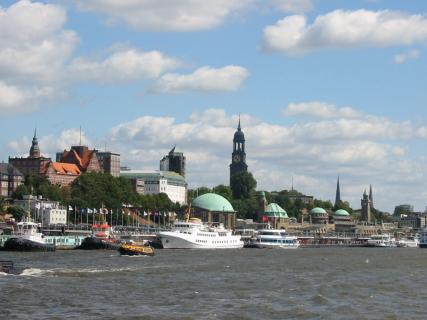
<point x="324" y="88"/>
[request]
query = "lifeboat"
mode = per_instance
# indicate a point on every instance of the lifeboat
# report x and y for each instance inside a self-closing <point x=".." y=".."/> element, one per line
<point x="136" y="250"/>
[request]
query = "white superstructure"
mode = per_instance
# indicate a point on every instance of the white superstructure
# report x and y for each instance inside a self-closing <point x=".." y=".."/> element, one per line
<point x="381" y="240"/>
<point x="272" y="238"/>
<point x="28" y="230"/>
<point x="194" y="235"/>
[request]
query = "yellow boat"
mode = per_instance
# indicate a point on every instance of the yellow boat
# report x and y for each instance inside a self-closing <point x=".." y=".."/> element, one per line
<point x="136" y="250"/>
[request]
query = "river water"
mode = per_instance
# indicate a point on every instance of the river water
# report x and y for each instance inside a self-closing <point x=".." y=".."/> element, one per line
<point x="326" y="283"/>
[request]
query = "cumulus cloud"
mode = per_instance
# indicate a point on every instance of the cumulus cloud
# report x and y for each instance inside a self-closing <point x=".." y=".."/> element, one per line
<point x="320" y="110"/>
<point x="293" y="6"/>
<point x="345" y="29"/>
<point x="123" y="65"/>
<point x="155" y="15"/>
<point x="205" y="79"/>
<point x="408" y="55"/>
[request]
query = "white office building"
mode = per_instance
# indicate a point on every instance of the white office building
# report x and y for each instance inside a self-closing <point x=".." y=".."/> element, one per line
<point x="156" y="182"/>
<point x="43" y="211"/>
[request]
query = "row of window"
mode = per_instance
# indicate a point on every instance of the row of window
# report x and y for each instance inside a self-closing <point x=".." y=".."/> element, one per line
<point x="277" y="241"/>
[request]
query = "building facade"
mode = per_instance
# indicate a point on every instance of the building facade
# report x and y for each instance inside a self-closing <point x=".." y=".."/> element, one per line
<point x="42" y="210"/>
<point x="34" y="164"/>
<point x="109" y="162"/>
<point x="10" y="179"/>
<point x="156" y="182"/>
<point x="238" y="157"/>
<point x="174" y="161"/>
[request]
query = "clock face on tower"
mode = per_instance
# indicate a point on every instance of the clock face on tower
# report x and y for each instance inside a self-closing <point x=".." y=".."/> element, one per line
<point x="236" y="158"/>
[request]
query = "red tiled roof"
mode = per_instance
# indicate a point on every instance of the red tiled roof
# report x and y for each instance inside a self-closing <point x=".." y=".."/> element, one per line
<point x="65" y="168"/>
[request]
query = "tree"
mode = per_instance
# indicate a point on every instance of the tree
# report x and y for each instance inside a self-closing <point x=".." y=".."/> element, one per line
<point x="224" y="191"/>
<point x="18" y="213"/>
<point x="243" y="184"/>
<point x="2" y="203"/>
<point x="344" y="205"/>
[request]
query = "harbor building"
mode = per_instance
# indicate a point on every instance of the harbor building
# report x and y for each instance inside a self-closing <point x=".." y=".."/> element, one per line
<point x="10" y="179"/>
<point x="213" y="209"/>
<point x="156" y="182"/>
<point x="42" y="210"/>
<point x="276" y="216"/>
<point x="319" y="216"/>
<point x="174" y="161"/>
<point x="238" y="157"/>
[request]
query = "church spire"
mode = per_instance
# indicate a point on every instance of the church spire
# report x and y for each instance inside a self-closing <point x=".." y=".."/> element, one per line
<point x="35" y="150"/>
<point x="371" y="197"/>
<point x="338" y="193"/>
<point x="239" y="127"/>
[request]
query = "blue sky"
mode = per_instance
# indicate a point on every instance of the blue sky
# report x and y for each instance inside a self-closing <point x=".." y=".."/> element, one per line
<point x="325" y="88"/>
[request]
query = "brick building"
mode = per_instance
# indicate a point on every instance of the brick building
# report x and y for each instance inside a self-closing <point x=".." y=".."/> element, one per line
<point x="10" y="179"/>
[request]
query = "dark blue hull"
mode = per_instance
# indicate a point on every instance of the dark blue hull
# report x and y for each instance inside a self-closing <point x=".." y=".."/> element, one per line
<point x="92" y="243"/>
<point x="19" y="244"/>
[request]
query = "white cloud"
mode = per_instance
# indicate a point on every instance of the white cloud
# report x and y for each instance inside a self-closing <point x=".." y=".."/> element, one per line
<point x="205" y="79"/>
<point x="345" y="29"/>
<point x="15" y="100"/>
<point x="408" y="55"/>
<point x="155" y="15"/>
<point x="123" y="65"/>
<point x="321" y="110"/>
<point x="293" y="6"/>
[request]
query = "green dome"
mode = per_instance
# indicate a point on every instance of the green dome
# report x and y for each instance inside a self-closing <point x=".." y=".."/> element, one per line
<point x="318" y="212"/>
<point x="213" y="202"/>
<point x="341" y="212"/>
<point x="276" y="211"/>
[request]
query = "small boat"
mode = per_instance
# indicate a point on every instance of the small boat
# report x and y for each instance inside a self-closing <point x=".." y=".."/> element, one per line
<point x="101" y="238"/>
<point x="136" y="250"/>
<point x="410" y="242"/>
<point x="6" y="267"/>
<point x="381" y="241"/>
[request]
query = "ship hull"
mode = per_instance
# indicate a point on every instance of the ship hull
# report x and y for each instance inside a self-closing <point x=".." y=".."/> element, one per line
<point x="20" y="244"/>
<point x="92" y="243"/>
<point x="423" y="245"/>
<point x="173" y="241"/>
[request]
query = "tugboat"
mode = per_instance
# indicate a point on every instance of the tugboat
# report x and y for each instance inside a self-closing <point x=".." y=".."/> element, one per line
<point x="128" y="249"/>
<point x="101" y="238"/>
<point x="27" y="238"/>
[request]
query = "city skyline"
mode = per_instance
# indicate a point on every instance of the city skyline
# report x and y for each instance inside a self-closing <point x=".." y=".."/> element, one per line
<point x="348" y="103"/>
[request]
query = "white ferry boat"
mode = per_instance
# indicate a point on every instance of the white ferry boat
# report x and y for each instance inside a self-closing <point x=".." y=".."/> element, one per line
<point x="410" y="242"/>
<point x="423" y="239"/>
<point x="381" y="241"/>
<point x="272" y="238"/>
<point x="192" y="234"/>
<point x="27" y="238"/>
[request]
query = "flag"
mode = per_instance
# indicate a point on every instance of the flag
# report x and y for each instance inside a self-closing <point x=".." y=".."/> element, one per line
<point x="264" y="218"/>
<point x="95" y="211"/>
<point x="145" y="214"/>
<point x="89" y="210"/>
<point x="70" y="208"/>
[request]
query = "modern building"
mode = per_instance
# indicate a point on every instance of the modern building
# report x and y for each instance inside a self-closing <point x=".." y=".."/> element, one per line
<point x="10" y="179"/>
<point x="238" y="157"/>
<point x="109" y="162"/>
<point x="212" y="208"/>
<point x="174" y="161"/>
<point x="34" y="164"/>
<point x="156" y="182"/>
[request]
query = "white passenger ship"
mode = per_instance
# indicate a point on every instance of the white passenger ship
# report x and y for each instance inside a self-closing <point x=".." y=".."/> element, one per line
<point x="272" y="238"/>
<point x="193" y="234"/>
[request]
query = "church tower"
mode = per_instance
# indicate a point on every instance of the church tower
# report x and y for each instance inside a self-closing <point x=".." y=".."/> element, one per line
<point x="338" y="194"/>
<point x="371" y="197"/>
<point x="35" y="150"/>
<point x="366" y="208"/>
<point x="238" y="157"/>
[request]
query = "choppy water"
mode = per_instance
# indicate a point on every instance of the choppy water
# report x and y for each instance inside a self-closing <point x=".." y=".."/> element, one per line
<point x="339" y="283"/>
